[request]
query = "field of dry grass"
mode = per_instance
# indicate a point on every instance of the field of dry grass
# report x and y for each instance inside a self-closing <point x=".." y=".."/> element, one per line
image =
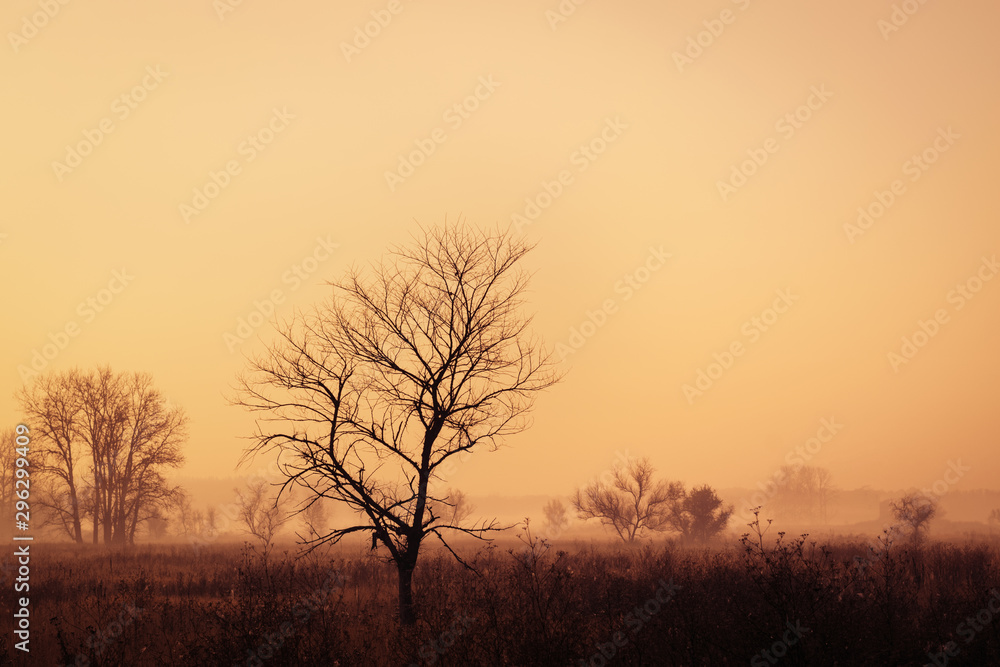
<point x="791" y="602"/>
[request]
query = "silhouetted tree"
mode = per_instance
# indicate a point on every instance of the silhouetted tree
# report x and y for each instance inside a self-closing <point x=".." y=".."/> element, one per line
<point x="803" y="493"/>
<point x="993" y="519"/>
<point x="556" y="519"/>
<point x="211" y="520"/>
<point x="416" y="361"/>
<point x="157" y="527"/>
<point x="632" y="503"/>
<point x="51" y="405"/>
<point x="914" y="511"/>
<point x="191" y="520"/>
<point x="8" y="458"/>
<point x="454" y="507"/>
<point x="262" y="513"/>
<point x="698" y="515"/>
<point x="315" y="518"/>
<point x="123" y="425"/>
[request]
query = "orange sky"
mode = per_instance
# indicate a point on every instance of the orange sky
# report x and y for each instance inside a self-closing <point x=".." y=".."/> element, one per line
<point x="308" y="129"/>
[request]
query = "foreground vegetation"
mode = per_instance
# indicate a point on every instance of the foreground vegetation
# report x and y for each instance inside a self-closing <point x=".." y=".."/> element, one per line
<point x="770" y="600"/>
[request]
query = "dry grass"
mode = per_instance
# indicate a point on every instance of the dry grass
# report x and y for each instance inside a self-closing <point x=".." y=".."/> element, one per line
<point x="527" y="605"/>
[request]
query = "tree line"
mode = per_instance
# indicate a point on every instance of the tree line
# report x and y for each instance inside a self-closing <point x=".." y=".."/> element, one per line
<point x="412" y="363"/>
<point x="101" y="444"/>
<point x="634" y="505"/>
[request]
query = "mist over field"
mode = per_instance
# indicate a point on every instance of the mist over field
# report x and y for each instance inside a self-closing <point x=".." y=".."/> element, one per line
<point x="551" y="332"/>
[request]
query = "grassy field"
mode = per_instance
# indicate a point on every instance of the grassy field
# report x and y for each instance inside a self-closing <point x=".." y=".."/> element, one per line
<point x="762" y="602"/>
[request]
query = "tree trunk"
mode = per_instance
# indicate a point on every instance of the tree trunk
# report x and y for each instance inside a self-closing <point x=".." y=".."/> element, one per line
<point x="406" y="613"/>
<point x="133" y="524"/>
<point x="77" y="530"/>
<point x="77" y="525"/>
<point x="97" y="509"/>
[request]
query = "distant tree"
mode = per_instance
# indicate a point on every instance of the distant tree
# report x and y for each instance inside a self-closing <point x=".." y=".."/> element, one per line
<point x="803" y="493"/>
<point x="8" y="457"/>
<point x="52" y="406"/>
<point x="556" y="519"/>
<point x="698" y="515"/>
<point x="119" y="424"/>
<point x="423" y="358"/>
<point x="454" y="507"/>
<point x="211" y="520"/>
<point x="914" y="511"/>
<point x="315" y="518"/>
<point x="262" y="513"/>
<point x="994" y="519"/>
<point x="632" y="503"/>
<point x="157" y="527"/>
<point x="191" y="520"/>
<point x="134" y="438"/>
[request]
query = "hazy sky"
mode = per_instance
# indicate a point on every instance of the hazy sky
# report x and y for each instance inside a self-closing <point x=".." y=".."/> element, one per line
<point x="117" y="115"/>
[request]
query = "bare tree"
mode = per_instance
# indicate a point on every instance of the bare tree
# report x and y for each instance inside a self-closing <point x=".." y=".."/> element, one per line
<point x="157" y="527"/>
<point x="698" y="515"/>
<point x="825" y="490"/>
<point x="51" y="406"/>
<point x="211" y="520"/>
<point x="101" y="425"/>
<point x="133" y="436"/>
<point x="191" y="520"/>
<point x="632" y="503"/>
<point x="803" y="493"/>
<point x="422" y="358"/>
<point x="993" y="519"/>
<point x="915" y="511"/>
<point x="8" y="458"/>
<point x="315" y="518"/>
<point x="556" y="519"/>
<point x="262" y="513"/>
<point x="454" y="507"/>
<point x="121" y="423"/>
<point x="52" y="504"/>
